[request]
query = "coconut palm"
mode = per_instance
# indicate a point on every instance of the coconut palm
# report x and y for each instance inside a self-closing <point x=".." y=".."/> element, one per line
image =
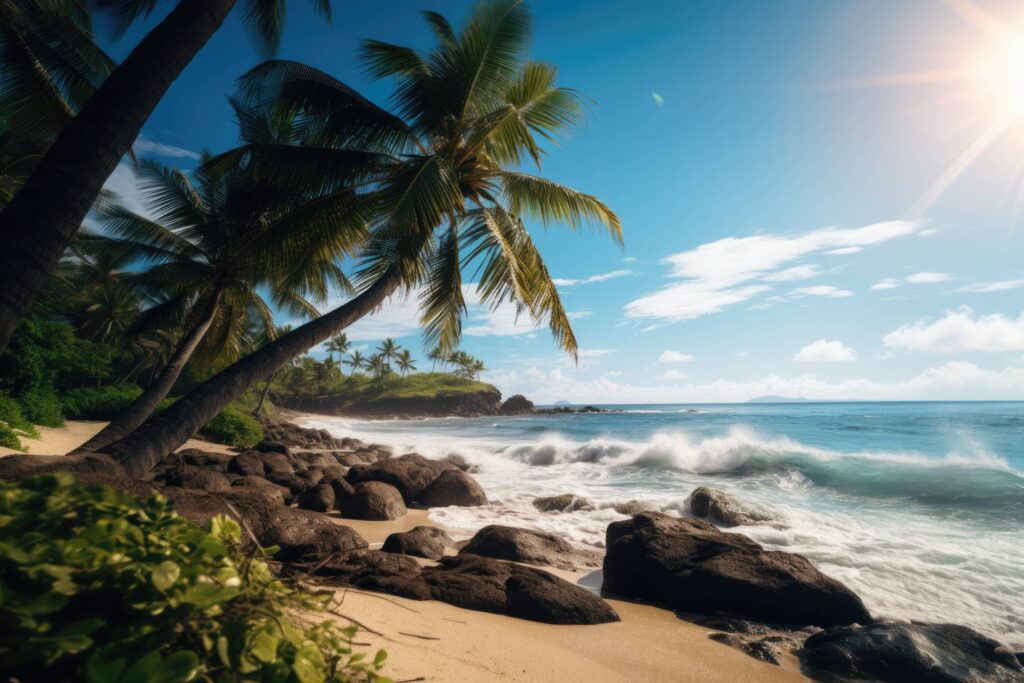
<point x="436" y="355"/>
<point x="224" y="250"/>
<point x="355" y="360"/>
<point x="38" y="223"/>
<point x="438" y="181"/>
<point x="389" y="350"/>
<point x="405" y="362"/>
<point x="269" y="336"/>
<point x="378" y="367"/>
<point x="339" y="344"/>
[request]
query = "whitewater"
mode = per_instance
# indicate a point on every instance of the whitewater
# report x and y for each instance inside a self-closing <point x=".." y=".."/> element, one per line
<point x="919" y="507"/>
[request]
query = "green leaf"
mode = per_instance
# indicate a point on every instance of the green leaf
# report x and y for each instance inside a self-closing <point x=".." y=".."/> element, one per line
<point x="180" y="667"/>
<point x="264" y="647"/>
<point x="165" y="575"/>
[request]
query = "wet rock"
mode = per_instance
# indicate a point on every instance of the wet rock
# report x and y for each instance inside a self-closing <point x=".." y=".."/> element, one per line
<point x="247" y="463"/>
<point x="892" y="651"/>
<point x="766" y="642"/>
<point x="460" y="462"/>
<point x="566" y="502"/>
<point x="423" y="541"/>
<point x="410" y="474"/>
<point x="633" y="507"/>
<point x="373" y="500"/>
<point x="526" y="545"/>
<point x="692" y="566"/>
<point x="453" y="487"/>
<point x="726" y="508"/>
<point x="319" y="498"/>
<point x="517" y="404"/>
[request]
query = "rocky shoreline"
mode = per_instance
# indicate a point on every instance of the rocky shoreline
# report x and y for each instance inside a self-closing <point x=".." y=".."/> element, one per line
<point x="296" y="489"/>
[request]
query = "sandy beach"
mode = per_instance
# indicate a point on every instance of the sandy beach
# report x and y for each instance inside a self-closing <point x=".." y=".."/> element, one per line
<point x="434" y="641"/>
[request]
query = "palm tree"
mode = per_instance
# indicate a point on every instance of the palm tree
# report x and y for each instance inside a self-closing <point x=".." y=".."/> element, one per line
<point x="270" y="336"/>
<point x="378" y="367"/>
<point x="405" y="362"/>
<point x="339" y="344"/>
<point x="436" y="355"/>
<point x="355" y="360"/>
<point x="436" y="182"/>
<point x="38" y="223"/>
<point x="221" y="244"/>
<point x="389" y="350"/>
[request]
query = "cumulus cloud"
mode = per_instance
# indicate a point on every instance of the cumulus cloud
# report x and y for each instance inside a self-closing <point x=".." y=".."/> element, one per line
<point x="674" y="376"/>
<point x="124" y="183"/>
<point x="569" y="282"/>
<point x="927" y="278"/>
<point x="793" y="274"/>
<point x="595" y="353"/>
<point x="146" y="147"/>
<point x="989" y="287"/>
<point x="674" y="357"/>
<point x="822" y="290"/>
<point x="887" y="283"/>
<point x="729" y="271"/>
<point x="824" y="351"/>
<point x="960" y="331"/>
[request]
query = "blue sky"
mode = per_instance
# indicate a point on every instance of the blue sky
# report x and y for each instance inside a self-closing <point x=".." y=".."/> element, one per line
<point x="818" y="199"/>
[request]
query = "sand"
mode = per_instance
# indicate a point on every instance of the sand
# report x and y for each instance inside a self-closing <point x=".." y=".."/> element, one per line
<point x="434" y="641"/>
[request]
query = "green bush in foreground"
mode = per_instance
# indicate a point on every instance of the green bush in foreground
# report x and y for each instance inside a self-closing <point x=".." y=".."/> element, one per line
<point x="99" y="403"/>
<point x="13" y="424"/>
<point x="234" y="428"/>
<point x="99" y="586"/>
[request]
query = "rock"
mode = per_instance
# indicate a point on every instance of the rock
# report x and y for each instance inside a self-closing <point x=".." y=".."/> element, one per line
<point x="311" y="477"/>
<point x="691" y="566"/>
<point x="320" y="460"/>
<point x="279" y="494"/>
<point x="410" y="474"/>
<point x="373" y="500"/>
<point x="566" y="502"/>
<point x="195" y="477"/>
<point x="20" y="466"/>
<point x="632" y="507"/>
<point x="319" y="498"/>
<point x="304" y="535"/>
<point x="726" y="508"/>
<point x="273" y="447"/>
<point x="453" y="487"/>
<point x="891" y="651"/>
<point x="766" y="642"/>
<point x="247" y="463"/>
<point x="275" y="463"/>
<point x="457" y="460"/>
<point x="472" y="582"/>
<point x="342" y="489"/>
<point x="214" y="461"/>
<point x="525" y="545"/>
<point x="292" y="482"/>
<point x="516" y="405"/>
<point x="423" y="541"/>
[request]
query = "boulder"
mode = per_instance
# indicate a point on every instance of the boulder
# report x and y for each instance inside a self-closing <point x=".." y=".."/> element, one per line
<point x="423" y="541"/>
<point x="517" y="404"/>
<point x="273" y="447"/>
<point x="311" y="477"/>
<point x="194" y="456"/>
<point x="275" y="463"/>
<point x="247" y="463"/>
<point x="410" y="474"/>
<point x="457" y="460"/>
<point x="767" y="642"/>
<point x="304" y="535"/>
<point x="314" y="459"/>
<point x="376" y="570"/>
<point x="726" y="508"/>
<point x="319" y="498"/>
<point x="453" y="487"/>
<point x="632" y="507"/>
<point x="290" y="481"/>
<point x="279" y="494"/>
<point x="891" y="651"/>
<point x="526" y="545"/>
<point x="373" y="500"/>
<point x="566" y="502"/>
<point x="195" y="477"/>
<point x="691" y="566"/>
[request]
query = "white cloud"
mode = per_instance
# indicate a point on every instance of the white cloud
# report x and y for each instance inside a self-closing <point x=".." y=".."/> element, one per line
<point x="927" y="278"/>
<point x="569" y="282"/>
<point x="843" y="251"/>
<point x="955" y="380"/>
<point x="959" y="331"/>
<point x="595" y="353"/>
<point x="929" y="232"/>
<point x="631" y="259"/>
<point x="887" y="283"/>
<point x="793" y="274"/>
<point x="582" y="313"/>
<point x="824" y="351"/>
<point x="674" y="357"/>
<point x="720" y="274"/>
<point x="125" y="184"/>
<point x="145" y="147"/>
<point x="822" y="290"/>
<point x="741" y="354"/>
<point x="674" y="375"/>
<point x="988" y="287"/>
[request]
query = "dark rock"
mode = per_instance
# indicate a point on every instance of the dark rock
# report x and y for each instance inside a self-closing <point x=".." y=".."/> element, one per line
<point x="410" y="474"/>
<point x="766" y="642"/>
<point x="279" y="494"/>
<point x="304" y="535"/>
<point x="373" y="500"/>
<point x="453" y="487"/>
<point x="311" y="477"/>
<point x="319" y="498"/>
<point x="525" y="545"/>
<point x="247" y="463"/>
<point x="566" y="502"/>
<point x="292" y="482"/>
<point x="891" y="651"/>
<point x="376" y="570"/>
<point x="692" y="566"/>
<point x="726" y="508"/>
<point x="516" y="405"/>
<point x="275" y="463"/>
<point x="457" y="460"/>
<point x="273" y="447"/>
<point x="423" y="541"/>
<point x="342" y="489"/>
<point x="195" y="477"/>
<point x="320" y="460"/>
<point x="632" y="507"/>
<point x="214" y="461"/>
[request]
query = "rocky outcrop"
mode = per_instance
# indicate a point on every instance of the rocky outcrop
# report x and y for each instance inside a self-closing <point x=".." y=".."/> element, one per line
<point x="443" y="404"/>
<point x="411" y="474"/>
<point x="727" y="509"/>
<point x="423" y="541"/>
<point x="766" y="642"/>
<point x="320" y="498"/>
<point x="517" y="404"/>
<point x="632" y="507"/>
<point x="891" y="651"/>
<point x="294" y="436"/>
<point x="279" y="494"/>
<point x="472" y="582"/>
<point x="526" y="545"/>
<point x="691" y="566"/>
<point x="373" y="500"/>
<point x="188" y="476"/>
<point x="453" y="487"/>
<point x="566" y="502"/>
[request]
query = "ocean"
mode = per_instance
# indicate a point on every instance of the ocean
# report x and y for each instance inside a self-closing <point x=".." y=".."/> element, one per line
<point x="919" y="507"/>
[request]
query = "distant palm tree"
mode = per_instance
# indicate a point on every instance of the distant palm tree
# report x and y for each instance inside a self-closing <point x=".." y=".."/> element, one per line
<point x="439" y="184"/>
<point x="355" y="360"/>
<point x="378" y="368"/>
<point x="405" y="362"/>
<point x="388" y="350"/>
<point x="436" y="355"/>
<point x="339" y="344"/>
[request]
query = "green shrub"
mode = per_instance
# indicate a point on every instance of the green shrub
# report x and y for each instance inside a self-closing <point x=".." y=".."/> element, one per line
<point x="42" y="407"/>
<point x="102" y="587"/>
<point x="13" y="424"/>
<point x="234" y="428"/>
<point x="99" y="403"/>
<point x="9" y="438"/>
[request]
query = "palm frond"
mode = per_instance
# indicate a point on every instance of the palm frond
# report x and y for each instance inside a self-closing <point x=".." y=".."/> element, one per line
<point x="442" y="301"/>
<point x="551" y="202"/>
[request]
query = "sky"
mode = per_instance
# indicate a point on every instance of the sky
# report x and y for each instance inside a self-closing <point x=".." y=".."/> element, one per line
<point x="819" y="200"/>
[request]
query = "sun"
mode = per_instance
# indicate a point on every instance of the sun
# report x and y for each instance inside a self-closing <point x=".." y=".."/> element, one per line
<point x="1004" y="74"/>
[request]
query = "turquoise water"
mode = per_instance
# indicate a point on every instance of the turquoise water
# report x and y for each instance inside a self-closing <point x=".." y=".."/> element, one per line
<point x="918" y="506"/>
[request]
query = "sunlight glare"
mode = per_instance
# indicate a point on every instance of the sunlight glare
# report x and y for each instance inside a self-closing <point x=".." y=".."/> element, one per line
<point x="1005" y="76"/>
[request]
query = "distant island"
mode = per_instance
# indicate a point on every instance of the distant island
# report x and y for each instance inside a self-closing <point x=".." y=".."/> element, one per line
<point x="780" y="399"/>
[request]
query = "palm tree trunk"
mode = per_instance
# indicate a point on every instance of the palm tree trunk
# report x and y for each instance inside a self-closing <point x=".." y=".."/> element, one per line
<point x="161" y="434"/>
<point x="263" y="396"/>
<point x="39" y="222"/>
<point x="138" y="410"/>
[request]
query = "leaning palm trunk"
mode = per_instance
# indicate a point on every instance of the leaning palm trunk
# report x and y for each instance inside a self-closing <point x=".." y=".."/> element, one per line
<point x="142" y="407"/>
<point x="39" y="222"/>
<point x="141" y="450"/>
